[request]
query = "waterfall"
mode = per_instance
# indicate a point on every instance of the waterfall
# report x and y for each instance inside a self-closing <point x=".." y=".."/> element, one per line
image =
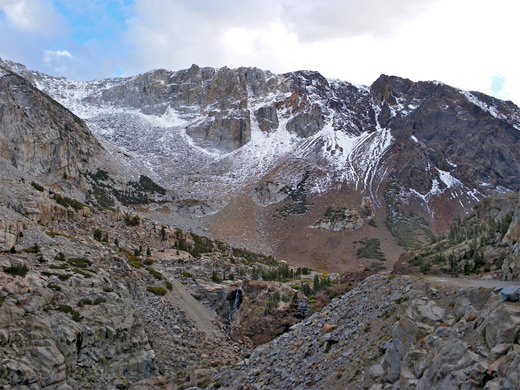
<point x="235" y="299"/>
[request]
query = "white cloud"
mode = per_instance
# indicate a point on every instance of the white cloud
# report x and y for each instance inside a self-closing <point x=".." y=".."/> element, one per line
<point x="50" y="56"/>
<point x="59" y="61"/>
<point x="461" y="42"/>
<point x="34" y="16"/>
<point x="317" y="20"/>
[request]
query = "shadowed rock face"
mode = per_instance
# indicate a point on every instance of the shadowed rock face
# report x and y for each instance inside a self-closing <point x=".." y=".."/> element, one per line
<point x="471" y="135"/>
<point x="38" y="135"/>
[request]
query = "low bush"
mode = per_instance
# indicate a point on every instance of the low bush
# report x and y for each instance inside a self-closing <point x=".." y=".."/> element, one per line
<point x="156" y="274"/>
<point x="67" y="309"/>
<point x="131" y="220"/>
<point x="18" y="270"/>
<point x="68" y="202"/>
<point x="79" y="262"/>
<point x="136" y="263"/>
<point x="37" y="186"/>
<point x="156" y="290"/>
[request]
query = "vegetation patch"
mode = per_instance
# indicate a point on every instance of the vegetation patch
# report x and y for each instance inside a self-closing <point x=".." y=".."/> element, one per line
<point x="252" y="257"/>
<point x="472" y="245"/>
<point x="33" y="249"/>
<point x="298" y="204"/>
<point x="146" y="184"/>
<point x="131" y="220"/>
<point x="61" y="266"/>
<point x="100" y="175"/>
<point x="67" y="309"/>
<point x="17" y="269"/>
<point x="371" y="249"/>
<point x="157" y="290"/>
<point x="81" y="272"/>
<point x="156" y="274"/>
<point x="375" y="267"/>
<point x="100" y="236"/>
<point x="79" y="262"/>
<point x="53" y="234"/>
<point x="410" y="230"/>
<point x="67" y="202"/>
<point x="333" y="214"/>
<point x="200" y="245"/>
<point x="54" y="287"/>
<point x="136" y="263"/>
<point x="37" y="186"/>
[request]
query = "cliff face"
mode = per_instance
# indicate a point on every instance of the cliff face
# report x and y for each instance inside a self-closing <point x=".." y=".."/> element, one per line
<point x="39" y="137"/>
<point x="464" y="133"/>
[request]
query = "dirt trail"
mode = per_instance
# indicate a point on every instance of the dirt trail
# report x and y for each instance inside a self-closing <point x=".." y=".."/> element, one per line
<point x="467" y="282"/>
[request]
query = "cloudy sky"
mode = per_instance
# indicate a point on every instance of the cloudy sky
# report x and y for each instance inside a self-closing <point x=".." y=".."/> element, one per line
<point x="470" y="44"/>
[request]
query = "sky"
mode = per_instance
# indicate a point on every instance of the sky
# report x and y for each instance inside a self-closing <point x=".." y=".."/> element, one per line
<point x="469" y="44"/>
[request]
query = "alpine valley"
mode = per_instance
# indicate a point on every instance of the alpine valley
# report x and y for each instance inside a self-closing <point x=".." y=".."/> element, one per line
<point x="236" y="228"/>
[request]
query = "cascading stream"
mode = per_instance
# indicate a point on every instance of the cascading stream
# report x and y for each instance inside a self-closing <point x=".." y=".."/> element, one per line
<point x="235" y="299"/>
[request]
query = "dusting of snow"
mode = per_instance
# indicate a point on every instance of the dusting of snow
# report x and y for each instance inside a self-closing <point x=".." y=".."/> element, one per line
<point x="440" y="185"/>
<point x="502" y="190"/>
<point x="157" y="137"/>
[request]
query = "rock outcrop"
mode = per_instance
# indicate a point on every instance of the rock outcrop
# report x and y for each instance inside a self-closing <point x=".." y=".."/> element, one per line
<point x="394" y="333"/>
<point x="40" y="137"/>
<point x="511" y="267"/>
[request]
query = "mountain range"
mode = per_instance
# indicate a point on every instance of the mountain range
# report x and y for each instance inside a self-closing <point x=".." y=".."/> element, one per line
<point x="234" y="228"/>
<point x="293" y="165"/>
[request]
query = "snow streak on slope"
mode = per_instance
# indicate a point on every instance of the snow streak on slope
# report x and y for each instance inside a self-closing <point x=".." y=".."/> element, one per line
<point x="491" y="110"/>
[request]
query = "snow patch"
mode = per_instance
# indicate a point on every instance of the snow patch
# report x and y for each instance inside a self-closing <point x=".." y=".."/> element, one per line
<point x="488" y="108"/>
<point x="448" y="179"/>
<point x="452" y="164"/>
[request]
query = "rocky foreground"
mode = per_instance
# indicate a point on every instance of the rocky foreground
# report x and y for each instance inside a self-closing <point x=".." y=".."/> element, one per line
<point x="82" y="306"/>
<point x="396" y="332"/>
